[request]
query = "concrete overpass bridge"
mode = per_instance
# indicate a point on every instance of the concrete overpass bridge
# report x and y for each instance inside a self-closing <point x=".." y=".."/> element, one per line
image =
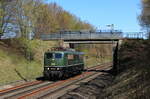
<point x="91" y="37"/>
<point x="70" y="38"/>
<point x="83" y="36"/>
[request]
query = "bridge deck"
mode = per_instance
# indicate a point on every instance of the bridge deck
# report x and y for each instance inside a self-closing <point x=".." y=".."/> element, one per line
<point x="98" y="36"/>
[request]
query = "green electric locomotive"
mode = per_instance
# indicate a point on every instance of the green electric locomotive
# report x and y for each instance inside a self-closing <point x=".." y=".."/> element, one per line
<point x="62" y="63"/>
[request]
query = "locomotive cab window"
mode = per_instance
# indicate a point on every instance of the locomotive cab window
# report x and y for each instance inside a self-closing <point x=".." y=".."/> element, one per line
<point x="58" y="55"/>
<point x="49" y="55"/>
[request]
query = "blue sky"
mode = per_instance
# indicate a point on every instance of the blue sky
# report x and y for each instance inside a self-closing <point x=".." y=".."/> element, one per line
<point x="122" y="13"/>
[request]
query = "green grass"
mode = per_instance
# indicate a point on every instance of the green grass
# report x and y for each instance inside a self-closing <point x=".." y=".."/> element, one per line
<point x="96" y="53"/>
<point x="14" y="66"/>
<point x="9" y="63"/>
<point x="93" y="61"/>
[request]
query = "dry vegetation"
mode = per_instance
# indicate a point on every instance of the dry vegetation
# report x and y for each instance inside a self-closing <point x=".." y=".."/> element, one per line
<point x="133" y="80"/>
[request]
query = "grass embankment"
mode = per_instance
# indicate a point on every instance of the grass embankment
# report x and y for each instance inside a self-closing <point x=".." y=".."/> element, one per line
<point x="133" y="80"/>
<point x="21" y="59"/>
<point x="96" y="53"/>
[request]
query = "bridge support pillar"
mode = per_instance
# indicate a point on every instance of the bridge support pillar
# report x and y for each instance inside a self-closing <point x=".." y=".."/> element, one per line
<point x="66" y="45"/>
<point x="71" y="45"/>
<point x="116" y="59"/>
<point x="62" y="44"/>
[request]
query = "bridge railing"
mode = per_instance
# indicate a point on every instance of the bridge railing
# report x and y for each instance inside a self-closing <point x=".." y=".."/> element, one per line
<point x="135" y="35"/>
<point x="83" y="35"/>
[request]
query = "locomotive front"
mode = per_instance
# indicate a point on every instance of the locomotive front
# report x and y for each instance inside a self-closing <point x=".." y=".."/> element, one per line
<point x="53" y="64"/>
<point x="61" y="62"/>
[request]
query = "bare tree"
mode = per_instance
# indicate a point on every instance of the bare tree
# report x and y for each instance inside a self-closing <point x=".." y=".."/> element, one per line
<point x="144" y="18"/>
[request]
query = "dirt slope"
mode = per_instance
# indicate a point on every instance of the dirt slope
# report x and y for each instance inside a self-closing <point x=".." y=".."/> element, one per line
<point x="133" y="81"/>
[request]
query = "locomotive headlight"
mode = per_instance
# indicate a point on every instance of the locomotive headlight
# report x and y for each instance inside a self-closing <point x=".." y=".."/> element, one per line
<point x="47" y="68"/>
<point x="58" y="68"/>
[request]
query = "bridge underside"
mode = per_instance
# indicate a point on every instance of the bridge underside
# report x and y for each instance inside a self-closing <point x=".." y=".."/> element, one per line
<point x="70" y="38"/>
<point x="72" y="43"/>
<point x="90" y="41"/>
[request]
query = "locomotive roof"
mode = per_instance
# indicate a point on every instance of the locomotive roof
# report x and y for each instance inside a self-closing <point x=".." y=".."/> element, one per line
<point x="74" y="52"/>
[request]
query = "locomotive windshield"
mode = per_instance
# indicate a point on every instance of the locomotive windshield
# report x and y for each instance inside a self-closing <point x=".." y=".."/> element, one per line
<point x="49" y="55"/>
<point x="53" y="55"/>
<point x="58" y="55"/>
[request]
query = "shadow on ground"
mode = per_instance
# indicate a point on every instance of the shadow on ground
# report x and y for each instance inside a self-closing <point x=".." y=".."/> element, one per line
<point x="42" y="78"/>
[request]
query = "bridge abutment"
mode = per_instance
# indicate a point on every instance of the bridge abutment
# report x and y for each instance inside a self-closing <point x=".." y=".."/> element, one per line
<point x="64" y="44"/>
<point x="115" y="69"/>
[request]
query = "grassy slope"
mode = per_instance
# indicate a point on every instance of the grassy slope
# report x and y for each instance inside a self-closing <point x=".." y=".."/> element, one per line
<point x="133" y="80"/>
<point x="96" y="53"/>
<point x="15" y="66"/>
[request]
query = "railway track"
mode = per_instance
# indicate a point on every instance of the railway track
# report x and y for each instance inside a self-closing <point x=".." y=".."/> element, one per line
<point x="70" y="85"/>
<point x="47" y="90"/>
